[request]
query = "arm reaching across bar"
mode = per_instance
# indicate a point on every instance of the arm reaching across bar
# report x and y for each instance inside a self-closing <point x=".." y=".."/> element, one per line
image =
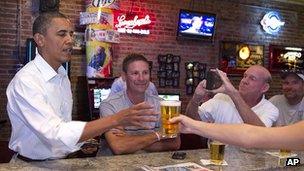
<point x="136" y="115"/>
<point x="245" y="135"/>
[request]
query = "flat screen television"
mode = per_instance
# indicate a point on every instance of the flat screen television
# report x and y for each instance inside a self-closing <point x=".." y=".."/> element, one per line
<point x="196" y="25"/>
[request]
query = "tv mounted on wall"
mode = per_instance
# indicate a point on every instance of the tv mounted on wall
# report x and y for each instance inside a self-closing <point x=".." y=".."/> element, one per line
<point x="196" y="25"/>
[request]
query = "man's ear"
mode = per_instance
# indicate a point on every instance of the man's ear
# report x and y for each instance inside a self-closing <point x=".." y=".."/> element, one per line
<point x="39" y="39"/>
<point x="265" y="87"/>
<point x="123" y="76"/>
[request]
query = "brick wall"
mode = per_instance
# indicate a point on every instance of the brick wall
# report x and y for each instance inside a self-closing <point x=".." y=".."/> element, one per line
<point x="236" y="21"/>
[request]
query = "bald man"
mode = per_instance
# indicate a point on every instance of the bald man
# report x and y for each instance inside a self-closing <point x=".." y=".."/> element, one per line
<point x="229" y="105"/>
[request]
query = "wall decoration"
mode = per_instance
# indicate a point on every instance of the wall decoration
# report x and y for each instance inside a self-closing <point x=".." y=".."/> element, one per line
<point x="111" y="4"/>
<point x="195" y="73"/>
<point x="96" y="17"/>
<point x="99" y="59"/>
<point x="168" y="73"/>
<point x="79" y="41"/>
<point x="236" y="57"/>
<point x="93" y="34"/>
<point x="99" y="36"/>
<point x="272" y="23"/>
<point x="285" y="58"/>
<point x="133" y="23"/>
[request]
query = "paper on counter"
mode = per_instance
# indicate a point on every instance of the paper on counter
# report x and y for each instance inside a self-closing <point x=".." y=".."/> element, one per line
<point x="181" y="166"/>
<point x="277" y="154"/>
<point x="208" y="162"/>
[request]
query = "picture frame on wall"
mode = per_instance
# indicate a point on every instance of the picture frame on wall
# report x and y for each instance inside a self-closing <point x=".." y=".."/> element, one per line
<point x="79" y="41"/>
<point x="285" y="58"/>
<point x="236" y="57"/>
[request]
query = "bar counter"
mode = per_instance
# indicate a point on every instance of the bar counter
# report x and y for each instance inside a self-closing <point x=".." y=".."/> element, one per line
<point x="237" y="159"/>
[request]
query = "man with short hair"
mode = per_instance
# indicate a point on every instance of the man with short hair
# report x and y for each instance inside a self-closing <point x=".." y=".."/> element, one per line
<point x="124" y="140"/>
<point x="40" y="99"/>
<point x="119" y="85"/>
<point x="291" y="102"/>
<point x="229" y="105"/>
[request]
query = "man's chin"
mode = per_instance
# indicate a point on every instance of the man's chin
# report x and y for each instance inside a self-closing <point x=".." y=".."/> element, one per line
<point x="67" y="58"/>
<point x="289" y="96"/>
<point x="141" y="90"/>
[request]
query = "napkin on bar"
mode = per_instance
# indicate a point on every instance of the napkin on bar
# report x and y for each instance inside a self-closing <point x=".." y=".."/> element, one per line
<point x="277" y="154"/>
<point x="208" y="162"/>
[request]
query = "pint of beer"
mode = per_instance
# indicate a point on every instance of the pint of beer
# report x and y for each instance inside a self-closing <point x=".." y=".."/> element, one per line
<point x="217" y="150"/>
<point x="169" y="109"/>
<point x="284" y="152"/>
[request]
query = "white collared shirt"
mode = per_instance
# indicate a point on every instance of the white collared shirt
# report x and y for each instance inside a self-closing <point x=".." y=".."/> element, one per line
<point x="40" y="110"/>
<point x="221" y="109"/>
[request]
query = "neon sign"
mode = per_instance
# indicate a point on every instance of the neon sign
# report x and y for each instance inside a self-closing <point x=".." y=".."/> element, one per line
<point x="134" y="25"/>
<point x="102" y="3"/>
<point x="292" y="56"/>
<point x="272" y="23"/>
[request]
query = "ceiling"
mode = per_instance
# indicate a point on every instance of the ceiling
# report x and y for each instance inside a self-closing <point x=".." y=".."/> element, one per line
<point x="299" y="2"/>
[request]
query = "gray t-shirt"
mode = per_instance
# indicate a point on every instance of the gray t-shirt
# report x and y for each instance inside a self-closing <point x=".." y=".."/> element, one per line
<point x="289" y="114"/>
<point x="119" y="101"/>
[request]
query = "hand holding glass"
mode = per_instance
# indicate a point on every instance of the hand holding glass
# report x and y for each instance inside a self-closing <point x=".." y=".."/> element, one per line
<point x="169" y="109"/>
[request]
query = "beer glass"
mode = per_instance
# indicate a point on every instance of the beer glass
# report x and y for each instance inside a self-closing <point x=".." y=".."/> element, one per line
<point x="169" y="109"/>
<point x="217" y="151"/>
<point x="284" y="152"/>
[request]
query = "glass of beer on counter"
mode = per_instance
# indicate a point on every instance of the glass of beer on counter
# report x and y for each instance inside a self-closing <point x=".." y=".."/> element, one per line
<point x="284" y="152"/>
<point x="169" y="109"/>
<point x="217" y="151"/>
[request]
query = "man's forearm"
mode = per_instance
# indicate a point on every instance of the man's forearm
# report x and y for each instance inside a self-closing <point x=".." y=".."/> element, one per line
<point x="245" y="111"/>
<point x="165" y="145"/>
<point x="98" y="127"/>
<point x="130" y="143"/>
<point x="192" y="108"/>
<point x="235" y="134"/>
<point x="249" y="136"/>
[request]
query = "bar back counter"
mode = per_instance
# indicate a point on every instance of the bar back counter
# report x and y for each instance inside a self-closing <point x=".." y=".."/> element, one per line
<point x="237" y="159"/>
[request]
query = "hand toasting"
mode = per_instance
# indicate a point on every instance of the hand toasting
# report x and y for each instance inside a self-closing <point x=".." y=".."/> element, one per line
<point x="186" y="124"/>
<point x="137" y="115"/>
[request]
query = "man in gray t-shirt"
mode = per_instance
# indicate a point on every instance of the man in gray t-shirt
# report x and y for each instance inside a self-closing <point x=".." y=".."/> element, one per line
<point x="291" y="102"/>
<point x="124" y="140"/>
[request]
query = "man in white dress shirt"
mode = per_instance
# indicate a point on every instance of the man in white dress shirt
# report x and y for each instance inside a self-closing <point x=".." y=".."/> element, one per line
<point x="40" y="99"/>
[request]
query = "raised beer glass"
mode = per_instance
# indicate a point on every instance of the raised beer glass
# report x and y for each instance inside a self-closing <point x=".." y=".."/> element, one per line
<point x="169" y="109"/>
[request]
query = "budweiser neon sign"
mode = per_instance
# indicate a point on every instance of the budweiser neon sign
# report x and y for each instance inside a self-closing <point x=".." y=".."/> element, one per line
<point x="134" y="25"/>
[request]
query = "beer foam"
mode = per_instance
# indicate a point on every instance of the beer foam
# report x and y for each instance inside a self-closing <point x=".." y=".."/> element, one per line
<point x="170" y="103"/>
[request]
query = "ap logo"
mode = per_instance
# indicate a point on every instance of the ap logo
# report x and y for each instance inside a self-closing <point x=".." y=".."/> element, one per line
<point x="292" y="161"/>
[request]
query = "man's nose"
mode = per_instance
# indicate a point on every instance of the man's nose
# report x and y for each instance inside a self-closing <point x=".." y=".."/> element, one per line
<point x="244" y="80"/>
<point x="141" y="77"/>
<point x="70" y="39"/>
<point x="286" y="86"/>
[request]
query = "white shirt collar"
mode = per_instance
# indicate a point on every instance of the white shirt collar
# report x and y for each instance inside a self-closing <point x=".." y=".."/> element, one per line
<point x="47" y="71"/>
<point x="262" y="101"/>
